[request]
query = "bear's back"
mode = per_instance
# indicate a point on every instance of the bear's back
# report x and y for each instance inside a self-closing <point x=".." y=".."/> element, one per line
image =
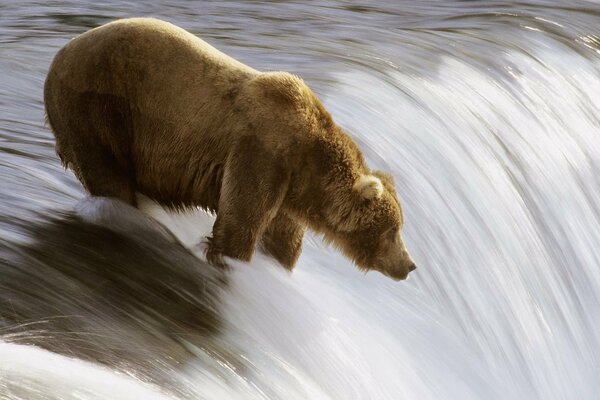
<point x="159" y="37"/>
<point x="114" y="57"/>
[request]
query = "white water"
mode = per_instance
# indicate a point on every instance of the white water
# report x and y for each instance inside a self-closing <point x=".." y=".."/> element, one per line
<point x="28" y="373"/>
<point x="503" y="308"/>
<point x="498" y="178"/>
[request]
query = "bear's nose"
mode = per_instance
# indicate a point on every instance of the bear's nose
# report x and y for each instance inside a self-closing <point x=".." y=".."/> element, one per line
<point x="412" y="267"/>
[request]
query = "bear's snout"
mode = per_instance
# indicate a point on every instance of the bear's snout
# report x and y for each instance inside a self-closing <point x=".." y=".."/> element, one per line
<point x="399" y="273"/>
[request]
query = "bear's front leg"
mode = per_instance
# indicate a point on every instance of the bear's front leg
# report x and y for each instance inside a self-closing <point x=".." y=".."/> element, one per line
<point x="252" y="191"/>
<point x="283" y="240"/>
<point x="231" y="240"/>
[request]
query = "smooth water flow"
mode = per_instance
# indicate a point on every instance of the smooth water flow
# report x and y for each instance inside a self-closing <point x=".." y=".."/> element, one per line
<point x="486" y="113"/>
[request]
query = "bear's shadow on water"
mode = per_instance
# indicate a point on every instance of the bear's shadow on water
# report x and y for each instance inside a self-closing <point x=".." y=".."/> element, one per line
<point x="107" y="284"/>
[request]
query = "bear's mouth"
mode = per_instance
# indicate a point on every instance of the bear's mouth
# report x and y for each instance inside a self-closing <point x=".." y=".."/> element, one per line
<point x="396" y="277"/>
<point x="398" y="273"/>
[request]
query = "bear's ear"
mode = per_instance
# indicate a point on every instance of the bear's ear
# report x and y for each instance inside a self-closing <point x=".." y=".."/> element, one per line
<point x="386" y="179"/>
<point x="369" y="187"/>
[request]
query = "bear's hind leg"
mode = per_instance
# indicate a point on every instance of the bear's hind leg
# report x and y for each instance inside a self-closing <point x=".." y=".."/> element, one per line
<point x="89" y="129"/>
<point x="102" y="175"/>
<point x="283" y="240"/>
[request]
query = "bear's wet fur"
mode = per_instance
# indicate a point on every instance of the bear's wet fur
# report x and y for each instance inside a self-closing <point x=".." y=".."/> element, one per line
<point x="140" y="105"/>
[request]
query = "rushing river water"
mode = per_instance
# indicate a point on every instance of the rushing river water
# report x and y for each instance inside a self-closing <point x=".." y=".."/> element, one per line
<point x="486" y="112"/>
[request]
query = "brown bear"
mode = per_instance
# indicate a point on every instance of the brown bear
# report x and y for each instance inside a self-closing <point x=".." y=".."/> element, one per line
<point x="142" y="105"/>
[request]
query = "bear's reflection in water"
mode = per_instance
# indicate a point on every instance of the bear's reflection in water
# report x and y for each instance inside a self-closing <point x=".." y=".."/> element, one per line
<point x="108" y="284"/>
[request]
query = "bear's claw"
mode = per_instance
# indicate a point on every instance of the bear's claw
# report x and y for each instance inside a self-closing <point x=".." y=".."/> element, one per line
<point x="214" y="256"/>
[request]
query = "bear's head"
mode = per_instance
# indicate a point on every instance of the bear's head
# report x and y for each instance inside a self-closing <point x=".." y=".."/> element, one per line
<point x="368" y="231"/>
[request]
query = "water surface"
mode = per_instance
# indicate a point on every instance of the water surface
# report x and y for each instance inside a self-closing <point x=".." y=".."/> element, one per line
<point x="485" y="112"/>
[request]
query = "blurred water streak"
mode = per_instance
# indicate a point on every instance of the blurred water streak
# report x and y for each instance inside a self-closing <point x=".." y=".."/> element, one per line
<point x="487" y="114"/>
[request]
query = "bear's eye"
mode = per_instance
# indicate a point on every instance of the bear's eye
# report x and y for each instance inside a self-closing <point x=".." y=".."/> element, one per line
<point x="392" y="234"/>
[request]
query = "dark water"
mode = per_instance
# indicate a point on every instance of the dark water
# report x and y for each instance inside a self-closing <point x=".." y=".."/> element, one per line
<point x="485" y="112"/>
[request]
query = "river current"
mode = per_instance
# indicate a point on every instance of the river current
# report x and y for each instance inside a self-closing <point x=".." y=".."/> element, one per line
<point x="487" y="113"/>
